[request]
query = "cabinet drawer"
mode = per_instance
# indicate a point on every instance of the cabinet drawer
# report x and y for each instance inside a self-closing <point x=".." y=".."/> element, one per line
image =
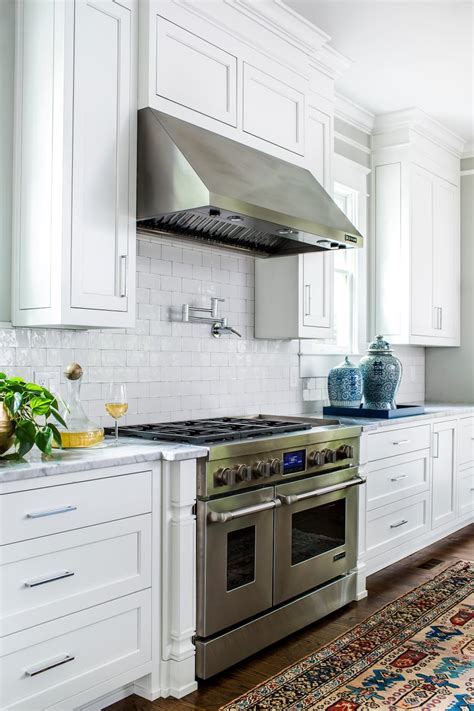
<point x="40" y="512"/>
<point x="402" y="476"/>
<point x="50" y="662"/>
<point x="392" y="525"/>
<point x="392" y="442"/>
<point x="195" y="73"/>
<point x="466" y="437"/>
<point x="273" y="110"/>
<point x="53" y="576"/>
<point x="466" y="493"/>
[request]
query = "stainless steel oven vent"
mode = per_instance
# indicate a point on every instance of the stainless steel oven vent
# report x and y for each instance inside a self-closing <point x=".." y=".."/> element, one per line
<point x="198" y="184"/>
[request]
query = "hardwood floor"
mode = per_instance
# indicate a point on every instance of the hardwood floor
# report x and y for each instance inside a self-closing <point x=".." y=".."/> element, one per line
<point x="383" y="587"/>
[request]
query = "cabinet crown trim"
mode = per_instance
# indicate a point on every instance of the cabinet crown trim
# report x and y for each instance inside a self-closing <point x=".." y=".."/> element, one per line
<point x="416" y="120"/>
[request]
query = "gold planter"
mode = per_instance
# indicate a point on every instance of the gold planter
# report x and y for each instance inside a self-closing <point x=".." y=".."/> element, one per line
<point x="6" y="430"/>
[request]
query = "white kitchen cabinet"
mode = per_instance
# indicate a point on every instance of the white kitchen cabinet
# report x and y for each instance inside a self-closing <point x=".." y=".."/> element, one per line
<point x="273" y="110"/>
<point x="195" y="73"/>
<point x="293" y="297"/>
<point x="444" y="473"/>
<point x="416" y="253"/>
<point x="74" y="200"/>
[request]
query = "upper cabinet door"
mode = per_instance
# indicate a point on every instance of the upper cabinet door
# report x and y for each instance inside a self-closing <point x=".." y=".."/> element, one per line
<point x="317" y="286"/>
<point x="446" y="259"/>
<point x="101" y="206"/>
<point x="272" y="110"/>
<point x="423" y="313"/>
<point x="195" y="73"/>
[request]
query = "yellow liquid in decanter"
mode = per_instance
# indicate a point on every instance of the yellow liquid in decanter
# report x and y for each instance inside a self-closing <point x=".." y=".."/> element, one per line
<point x="80" y="430"/>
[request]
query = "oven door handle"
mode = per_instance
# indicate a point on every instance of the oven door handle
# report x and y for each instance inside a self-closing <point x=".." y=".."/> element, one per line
<point x="294" y="498"/>
<point x="225" y="516"/>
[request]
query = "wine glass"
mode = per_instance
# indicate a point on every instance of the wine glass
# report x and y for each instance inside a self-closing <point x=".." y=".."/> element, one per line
<point x="116" y="403"/>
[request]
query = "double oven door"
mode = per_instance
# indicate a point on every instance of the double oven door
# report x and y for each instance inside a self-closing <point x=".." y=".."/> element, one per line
<point x="261" y="548"/>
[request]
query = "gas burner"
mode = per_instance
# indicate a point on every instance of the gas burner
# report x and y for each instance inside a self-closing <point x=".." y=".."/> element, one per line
<point x="214" y="429"/>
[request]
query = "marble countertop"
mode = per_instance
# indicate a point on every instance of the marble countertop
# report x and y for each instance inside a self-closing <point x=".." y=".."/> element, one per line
<point x="432" y="410"/>
<point x="107" y="454"/>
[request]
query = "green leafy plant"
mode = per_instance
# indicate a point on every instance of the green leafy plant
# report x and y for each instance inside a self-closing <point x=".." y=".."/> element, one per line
<point x="25" y="403"/>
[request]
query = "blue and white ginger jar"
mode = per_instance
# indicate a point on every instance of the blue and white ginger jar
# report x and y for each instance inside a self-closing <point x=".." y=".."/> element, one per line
<point x="345" y="385"/>
<point x="381" y="374"/>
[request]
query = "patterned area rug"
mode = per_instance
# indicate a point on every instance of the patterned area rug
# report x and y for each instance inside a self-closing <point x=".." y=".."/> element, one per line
<point x="415" y="653"/>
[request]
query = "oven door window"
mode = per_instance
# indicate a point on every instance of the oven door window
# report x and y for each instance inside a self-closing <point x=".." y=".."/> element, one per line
<point x="240" y="557"/>
<point x="317" y="530"/>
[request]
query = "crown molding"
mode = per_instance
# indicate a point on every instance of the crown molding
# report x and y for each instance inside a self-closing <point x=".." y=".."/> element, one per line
<point x="330" y="61"/>
<point x="416" y="120"/>
<point x="354" y="114"/>
<point x="468" y="151"/>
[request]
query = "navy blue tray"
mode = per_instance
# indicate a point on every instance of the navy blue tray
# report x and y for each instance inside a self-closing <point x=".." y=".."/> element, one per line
<point x="400" y="411"/>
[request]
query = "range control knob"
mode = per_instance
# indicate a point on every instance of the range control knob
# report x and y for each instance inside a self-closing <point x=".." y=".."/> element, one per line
<point x="316" y="458"/>
<point x="225" y="476"/>
<point x="262" y="469"/>
<point x="330" y="456"/>
<point x="243" y="472"/>
<point x="275" y="466"/>
<point x="345" y="451"/>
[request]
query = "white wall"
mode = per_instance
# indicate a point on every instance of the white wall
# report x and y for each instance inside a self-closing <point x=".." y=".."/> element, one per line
<point x="450" y="371"/>
<point x="7" y="14"/>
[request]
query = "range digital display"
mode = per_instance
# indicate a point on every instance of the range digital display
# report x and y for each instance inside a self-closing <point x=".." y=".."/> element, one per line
<point x="294" y="461"/>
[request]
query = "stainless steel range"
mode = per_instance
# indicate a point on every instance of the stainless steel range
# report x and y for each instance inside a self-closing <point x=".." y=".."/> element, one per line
<point x="277" y="521"/>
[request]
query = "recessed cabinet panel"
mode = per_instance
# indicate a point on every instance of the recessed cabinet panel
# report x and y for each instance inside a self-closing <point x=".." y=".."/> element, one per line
<point x="195" y="73"/>
<point x="272" y="110"/>
<point x="422" y="277"/>
<point x="102" y="86"/>
<point x="444" y="474"/>
<point x="319" y="146"/>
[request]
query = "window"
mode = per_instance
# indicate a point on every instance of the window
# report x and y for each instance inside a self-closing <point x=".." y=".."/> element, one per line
<point x="345" y="278"/>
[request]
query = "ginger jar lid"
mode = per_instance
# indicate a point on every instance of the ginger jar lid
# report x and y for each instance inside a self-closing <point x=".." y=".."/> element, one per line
<point x="380" y="345"/>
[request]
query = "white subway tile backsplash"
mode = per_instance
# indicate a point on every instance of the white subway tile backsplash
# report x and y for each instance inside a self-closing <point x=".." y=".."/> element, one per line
<point x="176" y="370"/>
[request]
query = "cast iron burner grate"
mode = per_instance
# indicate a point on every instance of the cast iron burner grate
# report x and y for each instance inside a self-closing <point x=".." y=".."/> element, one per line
<point x="215" y="429"/>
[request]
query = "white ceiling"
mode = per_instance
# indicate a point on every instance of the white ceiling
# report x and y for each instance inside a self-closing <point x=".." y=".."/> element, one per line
<point x="405" y="53"/>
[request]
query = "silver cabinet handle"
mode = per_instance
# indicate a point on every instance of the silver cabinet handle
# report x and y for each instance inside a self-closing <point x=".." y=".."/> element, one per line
<point x="51" y="664"/>
<point x="399" y="478"/>
<point x="51" y="512"/>
<point x="436" y="450"/>
<point x="400" y="523"/>
<point x="293" y="499"/>
<point x="402" y="441"/>
<point x="441" y="318"/>
<point x="224" y="516"/>
<point x="48" y="579"/>
<point x="123" y="275"/>
<point x="307" y="293"/>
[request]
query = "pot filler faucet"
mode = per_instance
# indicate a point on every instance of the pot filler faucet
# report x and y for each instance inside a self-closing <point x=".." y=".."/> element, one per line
<point x="219" y="324"/>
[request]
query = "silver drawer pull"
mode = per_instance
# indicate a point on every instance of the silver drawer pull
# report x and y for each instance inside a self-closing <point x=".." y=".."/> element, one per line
<point x="224" y="516"/>
<point x="399" y="478"/>
<point x="48" y="579"/>
<point x="51" y="512"/>
<point x="402" y="441"/>
<point x="45" y="666"/>
<point x="400" y="523"/>
<point x="294" y="498"/>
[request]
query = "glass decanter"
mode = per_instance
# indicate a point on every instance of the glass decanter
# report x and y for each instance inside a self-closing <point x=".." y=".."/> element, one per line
<point x="81" y="431"/>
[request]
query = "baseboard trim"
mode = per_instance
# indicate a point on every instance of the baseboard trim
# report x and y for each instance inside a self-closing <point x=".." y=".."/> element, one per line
<point x="107" y="699"/>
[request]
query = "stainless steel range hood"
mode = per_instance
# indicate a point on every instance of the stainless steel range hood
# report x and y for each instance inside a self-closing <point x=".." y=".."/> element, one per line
<point x="197" y="184"/>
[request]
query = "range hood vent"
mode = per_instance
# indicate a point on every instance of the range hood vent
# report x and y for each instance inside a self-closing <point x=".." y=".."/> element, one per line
<point x="199" y="185"/>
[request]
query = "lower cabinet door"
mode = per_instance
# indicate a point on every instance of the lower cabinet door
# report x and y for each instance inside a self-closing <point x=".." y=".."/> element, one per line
<point x="444" y="474"/>
<point x="53" y="576"/>
<point x="398" y="523"/>
<point x="50" y="662"/>
<point x="466" y="492"/>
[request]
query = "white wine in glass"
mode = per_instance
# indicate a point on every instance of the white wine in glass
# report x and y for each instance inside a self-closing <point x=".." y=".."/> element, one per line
<point x="116" y="403"/>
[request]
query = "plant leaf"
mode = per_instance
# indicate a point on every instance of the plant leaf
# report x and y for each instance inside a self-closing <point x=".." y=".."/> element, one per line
<point x="56" y="434"/>
<point x="44" y="439"/>
<point x="3" y="376"/>
<point x="40" y="406"/>
<point x="33" y="387"/>
<point x="24" y="447"/>
<point x="25" y="430"/>
<point x="58" y="417"/>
